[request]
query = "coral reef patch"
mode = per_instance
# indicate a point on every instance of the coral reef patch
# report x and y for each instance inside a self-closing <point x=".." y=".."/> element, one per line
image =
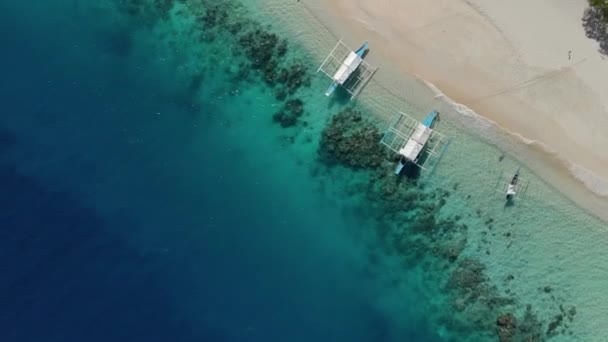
<point x="410" y="221"/>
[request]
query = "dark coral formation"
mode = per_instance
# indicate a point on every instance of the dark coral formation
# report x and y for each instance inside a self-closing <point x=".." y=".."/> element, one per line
<point x="265" y="52"/>
<point x="506" y="325"/>
<point x="561" y="320"/>
<point x="289" y="114"/>
<point x="468" y="278"/>
<point x="409" y="222"/>
<point x="257" y="50"/>
<point x="530" y="327"/>
<point x="351" y="140"/>
<point x="216" y="13"/>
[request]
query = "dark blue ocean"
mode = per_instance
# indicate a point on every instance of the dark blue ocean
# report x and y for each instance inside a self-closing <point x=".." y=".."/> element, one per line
<point x="129" y="213"/>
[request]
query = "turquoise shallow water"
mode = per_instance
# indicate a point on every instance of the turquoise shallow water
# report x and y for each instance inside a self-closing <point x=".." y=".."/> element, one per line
<point x="158" y="121"/>
<point x="538" y="241"/>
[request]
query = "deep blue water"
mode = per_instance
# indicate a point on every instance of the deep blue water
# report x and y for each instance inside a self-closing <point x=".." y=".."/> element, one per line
<point x="116" y="226"/>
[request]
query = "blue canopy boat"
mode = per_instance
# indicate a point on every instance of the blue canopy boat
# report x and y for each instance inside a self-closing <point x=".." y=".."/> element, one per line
<point x="414" y="146"/>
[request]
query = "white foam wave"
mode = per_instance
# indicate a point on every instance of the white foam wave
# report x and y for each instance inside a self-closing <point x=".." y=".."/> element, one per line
<point x="488" y="128"/>
<point x="478" y="120"/>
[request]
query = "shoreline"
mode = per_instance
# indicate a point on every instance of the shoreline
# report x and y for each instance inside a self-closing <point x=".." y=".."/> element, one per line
<point x="556" y="157"/>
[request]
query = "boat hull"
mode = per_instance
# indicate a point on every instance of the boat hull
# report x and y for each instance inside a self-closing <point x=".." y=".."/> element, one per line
<point x="331" y="88"/>
<point x="430" y="119"/>
<point x="399" y="168"/>
<point x="361" y="51"/>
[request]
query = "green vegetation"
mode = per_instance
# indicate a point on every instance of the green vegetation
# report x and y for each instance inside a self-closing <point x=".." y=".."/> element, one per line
<point x="595" y="22"/>
<point x="599" y="3"/>
<point x="602" y="7"/>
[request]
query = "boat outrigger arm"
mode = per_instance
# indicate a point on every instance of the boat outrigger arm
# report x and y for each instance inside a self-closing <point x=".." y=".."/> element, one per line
<point x="414" y="146"/>
<point x="349" y="65"/>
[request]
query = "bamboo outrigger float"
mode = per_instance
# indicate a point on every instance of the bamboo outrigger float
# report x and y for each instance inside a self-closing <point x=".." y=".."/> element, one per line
<point x="347" y="68"/>
<point x="416" y="143"/>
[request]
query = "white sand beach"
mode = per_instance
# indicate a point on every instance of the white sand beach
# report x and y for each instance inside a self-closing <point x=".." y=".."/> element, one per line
<point x="526" y="65"/>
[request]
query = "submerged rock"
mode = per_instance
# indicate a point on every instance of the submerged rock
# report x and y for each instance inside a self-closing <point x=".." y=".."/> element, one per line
<point x="468" y="276"/>
<point x="290" y="113"/>
<point x="452" y="249"/>
<point x="530" y="328"/>
<point x="554" y="324"/>
<point x="506" y="327"/>
<point x="571" y="313"/>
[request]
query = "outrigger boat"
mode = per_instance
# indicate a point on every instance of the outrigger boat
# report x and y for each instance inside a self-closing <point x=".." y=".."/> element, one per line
<point x="412" y="150"/>
<point x="349" y="65"/>
<point x="341" y="64"/>
<point x="512" y="187"/>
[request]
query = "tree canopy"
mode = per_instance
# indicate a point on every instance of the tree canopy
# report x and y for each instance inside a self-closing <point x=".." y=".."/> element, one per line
<point x="601" y="5"/>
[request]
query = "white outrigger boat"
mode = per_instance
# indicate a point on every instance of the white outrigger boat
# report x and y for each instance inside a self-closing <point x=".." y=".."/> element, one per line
<point x="412" y="150"/>
<point x="512" y="186"/>
<point x="349" y="65"/>
<point x="415" y="142"/>
<point x="347" y="68"/>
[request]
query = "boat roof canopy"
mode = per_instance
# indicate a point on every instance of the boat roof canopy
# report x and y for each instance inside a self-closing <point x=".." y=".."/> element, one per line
<point x="349" y="65"/>
<point x="415" y="144"/>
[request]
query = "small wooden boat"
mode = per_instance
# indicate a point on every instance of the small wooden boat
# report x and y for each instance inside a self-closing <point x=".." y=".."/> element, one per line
<point x="513" y="186"/>
<point x="412" y="150"/>
<point x="348" y="67"/>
